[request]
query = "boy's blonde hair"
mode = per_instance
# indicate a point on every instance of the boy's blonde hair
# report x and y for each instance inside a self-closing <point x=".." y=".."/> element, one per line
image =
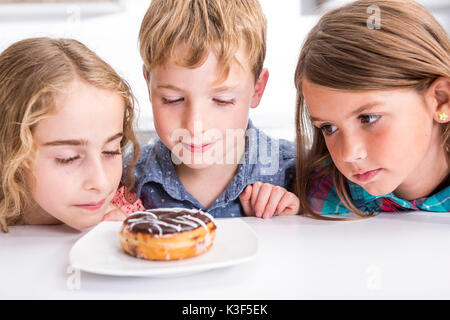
<point x="203" y="25"/>
<point x="410" y="50"/>
<point x="32" y="72"/>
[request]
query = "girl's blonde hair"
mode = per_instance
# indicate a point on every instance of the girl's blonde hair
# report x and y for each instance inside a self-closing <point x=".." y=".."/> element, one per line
<point x="202" y="25"/>
<point x="409" y="50"/>
<point x="32" y="72"/>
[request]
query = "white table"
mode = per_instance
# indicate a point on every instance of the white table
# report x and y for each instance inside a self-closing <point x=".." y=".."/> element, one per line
<point x="404" y="255"/>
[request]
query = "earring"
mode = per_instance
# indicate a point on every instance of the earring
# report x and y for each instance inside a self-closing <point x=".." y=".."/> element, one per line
<point x="443" y="116"/>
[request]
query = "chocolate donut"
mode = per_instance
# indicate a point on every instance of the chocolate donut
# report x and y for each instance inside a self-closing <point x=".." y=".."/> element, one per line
<point x="167" y="233"/>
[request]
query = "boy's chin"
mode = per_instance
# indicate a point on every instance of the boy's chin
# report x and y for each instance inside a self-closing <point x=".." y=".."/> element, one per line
<point x="197" y="166"/>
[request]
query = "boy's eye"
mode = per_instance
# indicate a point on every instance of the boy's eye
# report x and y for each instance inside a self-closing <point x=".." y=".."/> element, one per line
<point x="369" y="118"/>
<point x="171" y="101"/>
<point x="328" y="129"/>
<point x="64" y="161"/>
<point x="224" y="102"/>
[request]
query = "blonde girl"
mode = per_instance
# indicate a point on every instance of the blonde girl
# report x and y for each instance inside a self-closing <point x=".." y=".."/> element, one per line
<point x="373" y="111"/>
<point x="66" y="117"/>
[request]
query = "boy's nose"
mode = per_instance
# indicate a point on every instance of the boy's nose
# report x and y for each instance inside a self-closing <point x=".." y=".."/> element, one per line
<point x="195" y="119"/>
<point x="353" y="148"/>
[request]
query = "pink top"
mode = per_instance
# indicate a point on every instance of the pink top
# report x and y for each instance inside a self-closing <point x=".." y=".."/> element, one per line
<point x="128" y="204"/>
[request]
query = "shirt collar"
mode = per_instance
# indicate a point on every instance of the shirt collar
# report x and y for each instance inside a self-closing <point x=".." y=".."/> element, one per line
<point x="361" y="198"/>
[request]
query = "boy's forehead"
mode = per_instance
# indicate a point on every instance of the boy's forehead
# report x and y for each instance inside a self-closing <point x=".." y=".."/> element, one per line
<point x="211" y="60"/>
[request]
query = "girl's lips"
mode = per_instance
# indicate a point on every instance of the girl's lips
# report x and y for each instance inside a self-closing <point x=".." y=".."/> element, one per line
<point x="367" y="176"/>
<point x="198" y="148"/>
<point x="91" y="206"/>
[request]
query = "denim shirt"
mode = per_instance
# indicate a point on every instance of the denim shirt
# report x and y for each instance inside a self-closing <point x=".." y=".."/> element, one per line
<point x="265" y="159"/>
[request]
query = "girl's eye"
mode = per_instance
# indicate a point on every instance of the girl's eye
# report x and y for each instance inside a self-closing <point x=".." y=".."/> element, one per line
<point x="67" y="161"/>
<point x="224" y="102"/>
<point x="64" y="161"/>
<point x="171" y="101"/>
<point x="112" y="154"/>
<point x="328" y="129"/>
<point x="369" y="118"/>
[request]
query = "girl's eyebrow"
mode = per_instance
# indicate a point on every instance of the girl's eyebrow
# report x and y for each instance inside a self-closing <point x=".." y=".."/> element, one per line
<point x="364" y="107"/>
<point x="79" y="142"/>
<point x="360" y="110"/>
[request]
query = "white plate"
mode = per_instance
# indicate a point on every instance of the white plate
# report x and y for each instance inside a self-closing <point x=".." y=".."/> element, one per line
<point x="99" y="251"/>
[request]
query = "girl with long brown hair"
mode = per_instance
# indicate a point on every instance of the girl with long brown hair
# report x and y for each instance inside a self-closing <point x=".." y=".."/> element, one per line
<point x="373" y="111"/>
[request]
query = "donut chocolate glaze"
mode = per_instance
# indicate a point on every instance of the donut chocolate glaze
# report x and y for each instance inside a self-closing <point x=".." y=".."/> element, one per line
<point x="168" y="233"/>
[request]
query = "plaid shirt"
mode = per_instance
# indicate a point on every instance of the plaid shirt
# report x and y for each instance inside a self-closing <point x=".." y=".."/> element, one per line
<point x="324" y="199"/>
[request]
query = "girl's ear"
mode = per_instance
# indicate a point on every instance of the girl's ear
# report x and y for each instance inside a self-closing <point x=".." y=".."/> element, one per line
<point x="438" y="94"/>
<point x="260" y="86"/>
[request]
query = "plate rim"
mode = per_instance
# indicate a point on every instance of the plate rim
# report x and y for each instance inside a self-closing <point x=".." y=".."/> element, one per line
<point x="169" y="272"/>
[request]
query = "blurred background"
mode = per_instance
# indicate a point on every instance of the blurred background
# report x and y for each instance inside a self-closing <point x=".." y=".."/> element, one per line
<point x="110" y="28"/>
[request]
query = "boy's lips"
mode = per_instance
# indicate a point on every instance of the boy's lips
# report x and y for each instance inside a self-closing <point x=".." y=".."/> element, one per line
<point x="366" y="176"/>
<point x="92" y="206"/>
<point x="198" y="147"/>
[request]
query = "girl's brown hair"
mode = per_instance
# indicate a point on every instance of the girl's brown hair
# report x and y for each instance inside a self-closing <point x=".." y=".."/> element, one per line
<point x="32" y="72"/>
<point x="346" y="51"/>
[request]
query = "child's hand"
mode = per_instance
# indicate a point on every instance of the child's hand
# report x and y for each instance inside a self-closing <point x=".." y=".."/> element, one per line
<point x="264" y="200"/>
<point x="113" y="213"/>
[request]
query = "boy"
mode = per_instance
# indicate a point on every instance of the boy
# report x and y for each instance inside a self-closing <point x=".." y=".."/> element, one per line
<point x="203" y="64"/>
